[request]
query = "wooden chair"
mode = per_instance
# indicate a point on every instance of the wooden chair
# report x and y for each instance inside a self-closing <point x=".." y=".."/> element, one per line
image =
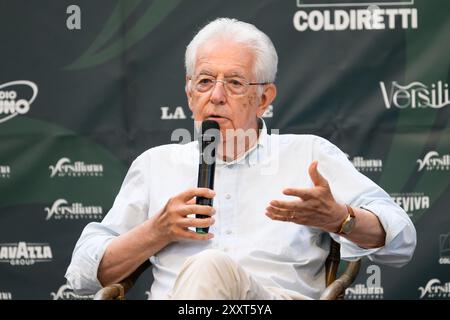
<point x="335" y="288"/>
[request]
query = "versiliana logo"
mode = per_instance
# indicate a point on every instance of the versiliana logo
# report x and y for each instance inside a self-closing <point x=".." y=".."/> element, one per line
<point x="66" y="293"/>
<point x="432" y="161"/>
<point x="415" y="95"/>
<point x="435" y="289"/>
<point x="61" y="209"/>
<point x="372" y="289"/>
<point x="16" y="98"/>
<point x="5" y="172"/>
<point x="5" y="295"/>
<point x="366" y="165"/>
<point x="23" y="253"/>
<point x="65" y="167"/>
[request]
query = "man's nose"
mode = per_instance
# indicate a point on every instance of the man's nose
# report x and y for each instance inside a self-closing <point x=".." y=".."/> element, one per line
<point x="218" y="94"/>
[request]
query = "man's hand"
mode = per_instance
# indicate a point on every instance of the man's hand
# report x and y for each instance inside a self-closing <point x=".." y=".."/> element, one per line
<point x="172" y="222"/>
<point x="127" y="251"/>
<point x="314" y="207"/>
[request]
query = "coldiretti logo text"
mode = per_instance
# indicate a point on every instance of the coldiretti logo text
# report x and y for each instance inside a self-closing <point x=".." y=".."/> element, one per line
<point x="346" y="15"/>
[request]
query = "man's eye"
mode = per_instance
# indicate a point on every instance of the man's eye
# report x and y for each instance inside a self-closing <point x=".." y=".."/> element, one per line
<point x="205" y="81"/>
<point x="235" y="83"/>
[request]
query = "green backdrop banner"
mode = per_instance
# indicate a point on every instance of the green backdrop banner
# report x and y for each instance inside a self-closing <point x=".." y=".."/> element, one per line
<point x="86" y="86"/>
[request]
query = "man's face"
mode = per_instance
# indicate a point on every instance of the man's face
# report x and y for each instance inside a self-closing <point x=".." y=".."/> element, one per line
<point x="225" y="59"/>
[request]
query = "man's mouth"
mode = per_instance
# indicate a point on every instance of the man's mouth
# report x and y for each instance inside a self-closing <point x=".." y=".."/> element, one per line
<point x="216" y="118"/>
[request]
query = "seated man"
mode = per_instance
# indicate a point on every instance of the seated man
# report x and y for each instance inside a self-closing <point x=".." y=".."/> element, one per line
<point x="277" y="200"/>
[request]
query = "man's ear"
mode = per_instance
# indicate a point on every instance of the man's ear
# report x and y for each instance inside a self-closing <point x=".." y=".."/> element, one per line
<point x="267" y="97"/>
<point x="187" y="89"/>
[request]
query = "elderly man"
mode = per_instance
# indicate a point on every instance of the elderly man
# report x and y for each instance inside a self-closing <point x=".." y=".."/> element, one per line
<point x="277" y="200"/>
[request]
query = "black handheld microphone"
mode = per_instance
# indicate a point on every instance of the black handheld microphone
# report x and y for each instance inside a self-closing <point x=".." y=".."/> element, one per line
<point x="208" y="142"/>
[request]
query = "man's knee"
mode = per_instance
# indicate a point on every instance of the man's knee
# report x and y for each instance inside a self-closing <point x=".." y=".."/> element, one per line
<point x="210" y="274"/>
<point x="210" y="258"/>
<point x="210" y="263"/>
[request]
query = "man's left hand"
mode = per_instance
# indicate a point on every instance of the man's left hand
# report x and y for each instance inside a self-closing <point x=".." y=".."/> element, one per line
<point x="314" y="206"/>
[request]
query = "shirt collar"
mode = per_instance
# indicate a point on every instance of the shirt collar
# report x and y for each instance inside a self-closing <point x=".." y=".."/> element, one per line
<point x="255" y="154"/>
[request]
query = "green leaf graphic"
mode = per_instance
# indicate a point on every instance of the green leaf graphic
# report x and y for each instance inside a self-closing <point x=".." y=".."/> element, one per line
<point x="149" y="20"/>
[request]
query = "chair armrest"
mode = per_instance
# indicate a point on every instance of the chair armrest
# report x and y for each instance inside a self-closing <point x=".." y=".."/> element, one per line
<point x="112" y="292"/>
<point x="117" y="291"/>
<point x="337" y="288"/>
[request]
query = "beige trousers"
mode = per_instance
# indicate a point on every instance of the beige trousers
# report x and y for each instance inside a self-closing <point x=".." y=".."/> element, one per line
<point x="212" y="274"/>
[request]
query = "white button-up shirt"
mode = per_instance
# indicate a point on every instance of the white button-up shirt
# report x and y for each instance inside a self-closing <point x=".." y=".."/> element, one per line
<point x="280" y="254"/>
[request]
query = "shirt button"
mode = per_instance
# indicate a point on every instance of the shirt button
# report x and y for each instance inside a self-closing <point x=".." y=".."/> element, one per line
<point x="228" y="232"/>
<point x="228" y="196"/>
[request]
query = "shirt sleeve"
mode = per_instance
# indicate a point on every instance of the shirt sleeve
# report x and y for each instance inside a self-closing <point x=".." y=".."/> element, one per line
<point x="130" y="209"/>
<point x="351" y="187"/>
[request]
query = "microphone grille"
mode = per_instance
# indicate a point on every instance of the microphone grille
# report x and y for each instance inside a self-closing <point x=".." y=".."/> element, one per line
<point x="209" y="124"/>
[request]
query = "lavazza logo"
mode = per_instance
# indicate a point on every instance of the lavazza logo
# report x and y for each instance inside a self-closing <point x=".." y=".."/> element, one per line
<point x="366" y="165"/>
<point x="5" y="172"/>
<point x="411" y="202"/>
<point x="433" y="161"/>
<point x="415" y="95"/>
<point x="61" y="209"/>
<point x="15" y="98"/>
<point x="371" y="290"/>
<point x="25" y="254"/>
<point x="434" y="289"/>
<point x="66" y="293"/>
<point x="362" y="15"/>
<point x="65" y="167"/>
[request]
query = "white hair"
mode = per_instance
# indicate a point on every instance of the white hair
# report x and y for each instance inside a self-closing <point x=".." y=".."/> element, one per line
<point x="266" y="58"/>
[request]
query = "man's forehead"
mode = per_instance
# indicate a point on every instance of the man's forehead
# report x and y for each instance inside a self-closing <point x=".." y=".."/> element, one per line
<point x="231" y="58"/>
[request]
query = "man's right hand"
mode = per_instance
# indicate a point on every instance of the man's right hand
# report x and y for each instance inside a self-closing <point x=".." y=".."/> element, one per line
<point x="171" y="223"/>
<point x="127" y="251"/>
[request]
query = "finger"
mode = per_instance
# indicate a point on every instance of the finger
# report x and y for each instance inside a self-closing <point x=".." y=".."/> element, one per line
<point x="199" y="209"/>
<point x="197" y="222"/>
<point x="316" y="177"/>
<point x="192" y="201"/>
<point x="288" y="205"/>
<point x="188" y="234"/>
<point x="187" y="195"/>
<point x="280" y="212"/>
<point x="302" y="193"/>
<point x="277" y="217"/>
